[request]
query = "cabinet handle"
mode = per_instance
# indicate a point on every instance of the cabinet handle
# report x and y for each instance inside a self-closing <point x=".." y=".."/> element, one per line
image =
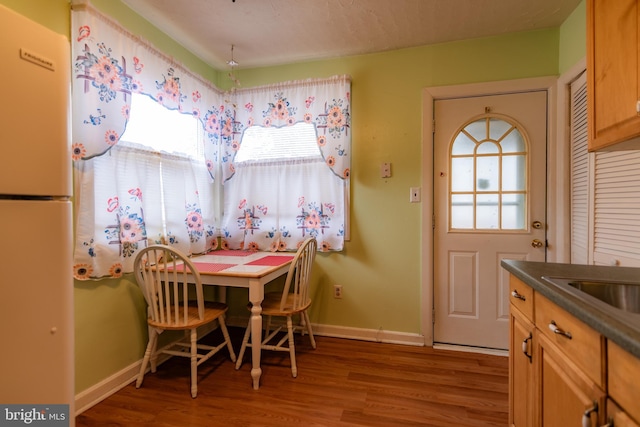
<point x="586" y="417"/>
<point x="525" y="347"/>
<point x="515" y="294"/>
<point x="559" y="331"/>
<point x="638" y="106"/>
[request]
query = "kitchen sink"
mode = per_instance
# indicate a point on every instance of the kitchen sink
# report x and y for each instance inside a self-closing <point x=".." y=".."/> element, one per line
<point x="622" y="295"/>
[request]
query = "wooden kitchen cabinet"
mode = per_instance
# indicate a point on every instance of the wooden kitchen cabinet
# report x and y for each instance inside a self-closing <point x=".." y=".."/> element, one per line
<point x="613" y="74"/>
<point x="570" y="371"/>
<point x="616" y="417"/>
<point x="583" y="356"/>
<point x="623" y="386"/>
<point x="553" y="379"/>
<point x="521" y="381"/>
<point x="583" y="345"/>
<point x="568" y="397"/>
<point x="521" y="345"/>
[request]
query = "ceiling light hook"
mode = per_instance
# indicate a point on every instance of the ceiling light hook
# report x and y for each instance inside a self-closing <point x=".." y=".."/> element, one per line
<point x="232" y="62"/>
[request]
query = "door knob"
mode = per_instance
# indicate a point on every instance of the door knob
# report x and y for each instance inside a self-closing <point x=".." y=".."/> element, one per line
<point x="537" y="243"/>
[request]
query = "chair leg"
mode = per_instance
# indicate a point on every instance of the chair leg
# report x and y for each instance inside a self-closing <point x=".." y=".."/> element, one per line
<point x="308" y="325"/>
<point x="194" y="363"/>
<point x="153" y="338"/>
<point x="243" y="347"/>
<point x="227" y="339"/>
<point x="292" y="347"/>
<point x="267" y="329"/>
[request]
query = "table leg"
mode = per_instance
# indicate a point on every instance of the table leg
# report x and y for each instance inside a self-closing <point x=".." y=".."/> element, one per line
<point x="256" y="295"/>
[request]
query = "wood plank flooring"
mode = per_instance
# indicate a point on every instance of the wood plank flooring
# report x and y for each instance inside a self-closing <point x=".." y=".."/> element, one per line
<point x="341" y="383"/>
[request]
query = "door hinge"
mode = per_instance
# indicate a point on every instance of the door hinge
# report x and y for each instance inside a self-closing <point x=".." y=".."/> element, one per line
<point x="433" y="316"/>
<point x="433" y="221"/>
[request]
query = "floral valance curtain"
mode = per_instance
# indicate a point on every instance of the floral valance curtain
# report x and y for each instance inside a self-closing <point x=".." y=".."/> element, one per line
<point x="322" y="102"/>
<point x="109" y="64"/>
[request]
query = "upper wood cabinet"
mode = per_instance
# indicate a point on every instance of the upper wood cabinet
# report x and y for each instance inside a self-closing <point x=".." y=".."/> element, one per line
<point x="613" y="74"/>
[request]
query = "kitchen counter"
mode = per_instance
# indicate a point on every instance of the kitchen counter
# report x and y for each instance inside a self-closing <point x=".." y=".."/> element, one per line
<point x="616" y="325"/>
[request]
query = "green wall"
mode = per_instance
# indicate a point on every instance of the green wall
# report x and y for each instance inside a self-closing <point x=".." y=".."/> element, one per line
<point x="573" y="38"/>
<point x="380" y="267"/>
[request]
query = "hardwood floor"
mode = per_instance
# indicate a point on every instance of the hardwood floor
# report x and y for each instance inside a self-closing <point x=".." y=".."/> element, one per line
<point x="341" y="383"/>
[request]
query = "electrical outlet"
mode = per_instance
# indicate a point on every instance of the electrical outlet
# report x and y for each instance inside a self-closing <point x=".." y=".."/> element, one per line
<point x="337" y="291"/>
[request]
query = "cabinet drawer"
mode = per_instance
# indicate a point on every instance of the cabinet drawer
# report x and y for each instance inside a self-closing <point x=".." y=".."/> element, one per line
<point x="624" y="372"/>
<point x="521" y="296"/>
<point x="581" y="344"/>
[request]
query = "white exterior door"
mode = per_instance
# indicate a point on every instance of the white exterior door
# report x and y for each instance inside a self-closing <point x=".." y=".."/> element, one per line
<point x="489" y="204"/>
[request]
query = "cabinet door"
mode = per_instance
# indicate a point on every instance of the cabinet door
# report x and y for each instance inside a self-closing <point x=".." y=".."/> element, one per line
<point x="521" y="384"/>
<point x="612" y="54"/>
<point x="566" y="393"/>
<point x="616" y="417"/>
<point x="623" y="374"/>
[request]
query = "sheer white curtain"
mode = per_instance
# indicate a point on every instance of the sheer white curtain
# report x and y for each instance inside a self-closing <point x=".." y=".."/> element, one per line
<point x="132" y="197"/>
<point x="276" y="205"/>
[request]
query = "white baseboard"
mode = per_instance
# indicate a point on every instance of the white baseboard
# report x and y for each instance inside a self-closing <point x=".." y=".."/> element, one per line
<point x="470" y="349"/>
<point x="377" y="335"/>
<point x="100" y="391"/>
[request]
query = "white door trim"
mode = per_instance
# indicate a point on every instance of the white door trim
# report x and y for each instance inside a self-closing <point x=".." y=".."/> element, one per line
<point x="559" y="206"/>
<point x="429" y="95"/>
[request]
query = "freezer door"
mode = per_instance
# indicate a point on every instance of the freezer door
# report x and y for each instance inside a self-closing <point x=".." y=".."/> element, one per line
<point x="36" y="303"/>
<point x="35" y="108"/>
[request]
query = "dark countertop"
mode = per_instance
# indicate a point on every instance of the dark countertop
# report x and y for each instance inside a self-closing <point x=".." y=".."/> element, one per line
<point x="619" y="326"/>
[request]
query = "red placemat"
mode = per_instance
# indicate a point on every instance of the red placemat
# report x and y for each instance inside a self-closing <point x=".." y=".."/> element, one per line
<point x="226" y="252"/>
<point x="271" y="260"/>
<point x="206" y="267"/>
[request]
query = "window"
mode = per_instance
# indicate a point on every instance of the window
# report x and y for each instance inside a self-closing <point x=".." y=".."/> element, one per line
<point x="151" y="187"/>
<point x="278" y="143"/>
<point x="157" y="128"/>
<point x="488" y="179"/>
<point x="282" y="191"/>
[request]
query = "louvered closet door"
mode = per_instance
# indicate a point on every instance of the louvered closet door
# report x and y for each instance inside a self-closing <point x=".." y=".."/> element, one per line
<point x="616" y="238"/>
<point x="579" y="173"/>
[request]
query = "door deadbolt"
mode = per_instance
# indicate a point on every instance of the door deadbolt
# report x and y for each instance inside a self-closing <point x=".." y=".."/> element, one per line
<point x="537" y="225"/>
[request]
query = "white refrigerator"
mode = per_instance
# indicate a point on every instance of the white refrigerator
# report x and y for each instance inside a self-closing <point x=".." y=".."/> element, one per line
<point x="36" y="282"/>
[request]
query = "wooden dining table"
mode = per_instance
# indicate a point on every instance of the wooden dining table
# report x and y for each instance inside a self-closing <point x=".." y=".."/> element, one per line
<point x="245" y="269"/>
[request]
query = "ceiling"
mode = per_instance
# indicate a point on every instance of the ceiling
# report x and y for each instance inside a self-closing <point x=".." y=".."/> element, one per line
<point x="274" y="32"/>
